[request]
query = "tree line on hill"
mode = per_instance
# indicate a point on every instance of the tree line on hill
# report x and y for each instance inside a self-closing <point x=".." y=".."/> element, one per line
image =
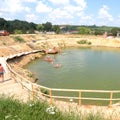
<point x="24" y="27"/>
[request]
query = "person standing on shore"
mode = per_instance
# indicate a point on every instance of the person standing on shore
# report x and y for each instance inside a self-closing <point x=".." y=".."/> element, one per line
<point x="2" y="72"/>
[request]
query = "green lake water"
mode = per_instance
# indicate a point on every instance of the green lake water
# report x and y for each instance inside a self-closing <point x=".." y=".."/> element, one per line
<point x="82" y="68"/>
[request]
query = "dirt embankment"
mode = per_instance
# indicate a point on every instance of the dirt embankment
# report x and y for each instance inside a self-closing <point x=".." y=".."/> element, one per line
<point x="10" y="45"/>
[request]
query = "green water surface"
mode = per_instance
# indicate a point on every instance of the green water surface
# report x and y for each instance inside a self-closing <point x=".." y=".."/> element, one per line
<point x="82" y="68"/>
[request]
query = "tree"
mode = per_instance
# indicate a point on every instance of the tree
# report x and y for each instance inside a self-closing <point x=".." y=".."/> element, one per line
<point x="18" y="31"/>
<point x="2" y="23"/>
<point x="40" y="27"/>
<point x="115" y="30"/>
<point x="83" y="30"/>
<point x="47" y="26"/>
<point x="56" y="28"/>
<point x="98" y="32"/>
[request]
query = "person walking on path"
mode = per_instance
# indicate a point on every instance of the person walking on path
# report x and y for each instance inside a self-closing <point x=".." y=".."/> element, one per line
<point x="2" y="73"/>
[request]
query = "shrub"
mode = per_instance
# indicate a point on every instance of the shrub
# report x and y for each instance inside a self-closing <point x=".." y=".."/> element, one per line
<point x="30" y="75"/>
<point x="18" y="32"/>
<point x="89" y="43"/>
<point x="19" y="39"/>
<point x="84" y="42"/>
<point x="44" y="91"/>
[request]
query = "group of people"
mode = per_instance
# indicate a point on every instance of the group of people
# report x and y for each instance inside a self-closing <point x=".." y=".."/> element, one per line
<point x="53" y="50"/>
<point x="1" y="73"/>
<point x="49" y="59"/>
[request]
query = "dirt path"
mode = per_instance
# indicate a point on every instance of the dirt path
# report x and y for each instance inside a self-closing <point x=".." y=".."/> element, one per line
<point x="12" y="88"/>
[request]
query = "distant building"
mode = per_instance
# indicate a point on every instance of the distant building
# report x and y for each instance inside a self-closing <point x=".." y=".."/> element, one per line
<point x="73" y="31"/>
<point x="51" y="32"/>
<point x="108" y="35"/>
<point x="4" y="33"/>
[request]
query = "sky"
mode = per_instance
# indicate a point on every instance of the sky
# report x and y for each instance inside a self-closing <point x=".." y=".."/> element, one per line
<point x="63" y="12"/>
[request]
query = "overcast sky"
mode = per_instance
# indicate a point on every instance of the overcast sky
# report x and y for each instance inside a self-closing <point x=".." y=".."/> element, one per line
<point x="75" y="12"/>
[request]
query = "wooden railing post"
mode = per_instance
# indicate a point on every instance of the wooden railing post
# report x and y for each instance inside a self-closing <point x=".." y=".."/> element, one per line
<point x="80" y="95"/>
<point x="111" y="96"/>
<point x="50" y="93"/>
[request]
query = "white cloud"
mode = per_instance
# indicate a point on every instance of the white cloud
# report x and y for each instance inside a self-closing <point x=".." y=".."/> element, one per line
<point x="31" y="17"/>
<point x="11" y="6"/>
<point x="60" y="13"/>
<point x="58" y="2"/>
<point x="67" y="14"/>
<point x="81" y="3"/>
<point x="27" y="9"/>
<point x="103" y="13"/>
<point x="31" y="1"/>
<point x="86" y="20"/>
<point x="73" y="9"/>
<point x="56" y="11"/>
<point x="59" y="16"/>
<point x="42" y="8"/>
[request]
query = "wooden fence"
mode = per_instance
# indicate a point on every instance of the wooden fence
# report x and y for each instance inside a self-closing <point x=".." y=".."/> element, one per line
<point x="36" y="91"/>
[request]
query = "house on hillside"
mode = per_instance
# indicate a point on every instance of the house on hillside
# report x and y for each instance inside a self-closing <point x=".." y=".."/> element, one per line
<point x="4" y="33"/>
<point x="73" y="31"/>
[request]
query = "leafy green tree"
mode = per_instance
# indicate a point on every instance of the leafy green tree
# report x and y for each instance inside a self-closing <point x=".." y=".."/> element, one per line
<point x="40" y="27"/>
<point x="2" y="23"/>
<point x="18" y="31"/>
<point x="115" y="30"/>
<point x="47" y="26"/>
<point x="32" y="25"/>
<point x="98" y="32"/>
<point x="56" y="28"/>
<point x="84" y="30"/>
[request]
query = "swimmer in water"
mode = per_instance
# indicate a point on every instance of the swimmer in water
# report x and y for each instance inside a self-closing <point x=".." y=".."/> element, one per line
<point x="49" y="59"/>
<point x="57" y="65"/>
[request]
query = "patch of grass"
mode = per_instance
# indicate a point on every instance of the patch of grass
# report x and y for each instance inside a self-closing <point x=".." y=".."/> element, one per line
<point x="35" y="110"/>
<point x="84" y="42"/>
<point x="33" y="36"/>
<point x="15" y="110"/>
<point x="44" y="91"/>
<point x="62" y="44"/>
<point x="96" y="116"/>
<point x="19" y="39"/>
<point x="30" y="75"/>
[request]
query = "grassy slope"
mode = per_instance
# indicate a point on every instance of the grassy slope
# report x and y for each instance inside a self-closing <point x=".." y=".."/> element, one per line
<point x="15" y="110"/>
